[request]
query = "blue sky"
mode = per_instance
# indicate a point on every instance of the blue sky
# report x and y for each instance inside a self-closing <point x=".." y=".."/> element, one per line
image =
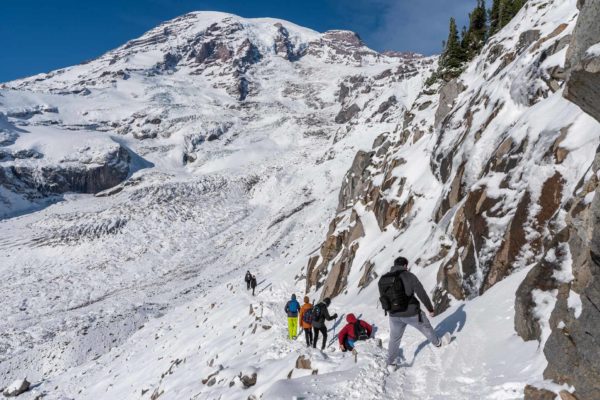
<point x="42" y="35"/>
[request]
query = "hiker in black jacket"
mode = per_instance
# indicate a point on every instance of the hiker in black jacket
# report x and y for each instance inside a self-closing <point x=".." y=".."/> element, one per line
<point x="248" y="279"/>
<point x="320" y="315"/>
<point x="410" y="313"/>
<point x="253" y="283"/>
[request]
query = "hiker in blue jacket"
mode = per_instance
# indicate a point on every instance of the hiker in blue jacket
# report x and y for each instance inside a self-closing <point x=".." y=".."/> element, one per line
<point x="292" y="308"/>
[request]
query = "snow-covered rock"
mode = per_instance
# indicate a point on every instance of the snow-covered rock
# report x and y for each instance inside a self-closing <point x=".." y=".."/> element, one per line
<point x="45" y="162"/>
<point x="16" y="388"/>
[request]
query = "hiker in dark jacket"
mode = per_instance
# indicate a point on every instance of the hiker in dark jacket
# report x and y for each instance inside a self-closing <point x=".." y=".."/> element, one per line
<point x="354" y="330"/>
<point x="253" y="283"/>
<point x="292" y="308"/>
<point x="248" y="279"/>
<point x="320" y="315"/>
<point x="413" y="315"/>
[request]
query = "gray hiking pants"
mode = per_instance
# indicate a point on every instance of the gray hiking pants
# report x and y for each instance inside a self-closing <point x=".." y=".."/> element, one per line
<point x="397" y="327"/>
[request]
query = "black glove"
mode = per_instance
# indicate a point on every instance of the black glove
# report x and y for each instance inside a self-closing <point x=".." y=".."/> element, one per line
<point x="335" y="316"/>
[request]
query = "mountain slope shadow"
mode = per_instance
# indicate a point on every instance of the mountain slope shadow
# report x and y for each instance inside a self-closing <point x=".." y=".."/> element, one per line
<point x="454" y="322"/>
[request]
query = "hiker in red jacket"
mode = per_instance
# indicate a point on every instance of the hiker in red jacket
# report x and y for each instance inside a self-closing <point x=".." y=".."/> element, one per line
<point x="354" y="330"/>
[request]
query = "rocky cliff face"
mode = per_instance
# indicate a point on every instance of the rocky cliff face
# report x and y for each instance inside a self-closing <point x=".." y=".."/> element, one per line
<point x="583" y="60"/>
<point x="33" y="171"/>
<point x="572" y="345"/>
<point x="488" y="175"/>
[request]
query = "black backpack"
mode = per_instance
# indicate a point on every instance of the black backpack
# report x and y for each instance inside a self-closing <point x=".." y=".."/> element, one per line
<point x="392" y="295"/>
<point x="317" y="313"/>
<point x="360" y="333"/>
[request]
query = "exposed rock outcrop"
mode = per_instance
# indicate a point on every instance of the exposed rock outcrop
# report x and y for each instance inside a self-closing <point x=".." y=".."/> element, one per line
<point x="354" y="183"/>
<point x="79" y="176"/>
<point x="583" y="60"/>
<point x="448" y="93"/>
<point x="346" y="114"/>
<point x="330" y="269"/>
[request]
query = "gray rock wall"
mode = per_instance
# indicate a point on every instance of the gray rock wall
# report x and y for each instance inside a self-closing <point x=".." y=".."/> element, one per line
<point x="572" y="349"/>
<point x="583" y="69"/>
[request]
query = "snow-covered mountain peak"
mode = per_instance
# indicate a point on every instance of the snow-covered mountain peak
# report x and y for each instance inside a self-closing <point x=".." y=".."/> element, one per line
<point x="214" y="41"/>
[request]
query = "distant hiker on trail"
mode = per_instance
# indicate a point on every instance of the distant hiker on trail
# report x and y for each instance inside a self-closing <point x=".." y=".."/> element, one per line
<point x="354" y="330"/>
<point x="292" y="308"/>
<point x="248" y="279"/>
<point x="320" y="314"/>
<point x="397" y="289"/>
<point x="253" y="283"/>
<point x="306" y="319"/>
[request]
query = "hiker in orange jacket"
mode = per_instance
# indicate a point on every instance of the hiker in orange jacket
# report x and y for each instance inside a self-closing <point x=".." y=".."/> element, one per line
<point x="306" y="320"/>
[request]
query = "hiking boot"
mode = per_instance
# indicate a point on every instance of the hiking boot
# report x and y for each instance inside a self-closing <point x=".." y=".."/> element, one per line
<point x="445" y="340"/>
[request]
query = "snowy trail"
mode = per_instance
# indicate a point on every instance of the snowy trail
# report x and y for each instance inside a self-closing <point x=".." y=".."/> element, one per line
<point x="225" y="332"/>
<point x="484" y="360"/>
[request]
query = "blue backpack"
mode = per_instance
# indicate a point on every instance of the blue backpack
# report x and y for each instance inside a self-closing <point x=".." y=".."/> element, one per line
<point x="293" y="306"/>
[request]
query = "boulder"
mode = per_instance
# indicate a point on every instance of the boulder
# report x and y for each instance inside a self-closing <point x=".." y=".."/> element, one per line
<point x="248" y="380"/>
<point x="16" y="388"/>
<point x="534" y="393"/>
<point x="346" y="114"/>
<point x="303" y="362"/>
<point x="541" y="277"/>
<point x="383" y="107"/>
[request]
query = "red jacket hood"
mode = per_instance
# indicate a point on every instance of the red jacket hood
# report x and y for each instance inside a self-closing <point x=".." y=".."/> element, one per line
<point x="350" y="318"/>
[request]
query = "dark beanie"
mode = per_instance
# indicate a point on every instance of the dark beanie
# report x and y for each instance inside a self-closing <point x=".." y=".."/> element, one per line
<point x="401" y="262"/>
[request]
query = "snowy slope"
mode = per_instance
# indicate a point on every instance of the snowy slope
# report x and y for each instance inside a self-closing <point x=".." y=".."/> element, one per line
<point x="234" y="161"/>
